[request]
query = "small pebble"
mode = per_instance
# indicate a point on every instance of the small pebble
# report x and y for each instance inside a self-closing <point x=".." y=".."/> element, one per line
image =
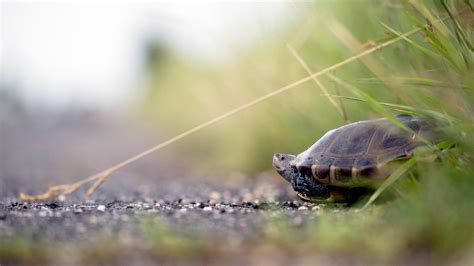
<point x="101" y="208"/>
<point x="303" y="208"/>
<point x="52" y="205"/>
<point x="186" y="201"/>
<point x="215" y="195"/>
<point x="207" y="209"/>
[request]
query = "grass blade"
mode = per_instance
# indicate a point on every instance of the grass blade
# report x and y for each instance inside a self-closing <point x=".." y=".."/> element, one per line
<point x="419" y="47"/>
<point x="390" y="180"/>
<point x="405" y="109"/>
<point x="374" y="104"/>
<point x="459" y="31"/>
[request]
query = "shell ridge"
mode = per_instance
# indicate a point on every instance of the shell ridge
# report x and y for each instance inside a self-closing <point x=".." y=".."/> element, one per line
<point x="367" y="149"/>
<point x="325" y="150"/>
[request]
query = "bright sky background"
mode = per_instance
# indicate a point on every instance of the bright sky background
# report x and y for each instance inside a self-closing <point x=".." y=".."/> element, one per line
<point x="58" y="54"/>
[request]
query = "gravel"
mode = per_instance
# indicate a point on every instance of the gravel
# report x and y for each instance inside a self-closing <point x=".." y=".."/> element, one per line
<point x="142" y="213"/>
<point x="70" y="220"/>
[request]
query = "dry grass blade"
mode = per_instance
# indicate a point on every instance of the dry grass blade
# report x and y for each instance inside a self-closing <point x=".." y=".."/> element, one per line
<point x="339" y="106"/>
<point x="419" y="47"/>
<point x="52" y="192"/>
<point x="305" y="31"/>
<point x="97" y="183"/>
<point x="55" y="191"/>
<point x="350" y="41"/>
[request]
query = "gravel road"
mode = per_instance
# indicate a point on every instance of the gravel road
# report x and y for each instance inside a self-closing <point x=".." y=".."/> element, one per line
<point x="148" y="212"/>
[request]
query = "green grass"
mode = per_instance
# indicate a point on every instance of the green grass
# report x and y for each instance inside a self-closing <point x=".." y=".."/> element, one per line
<point x="19" y="249"/>
<point x="429" y="74"/>
<point x="420" y="75"/>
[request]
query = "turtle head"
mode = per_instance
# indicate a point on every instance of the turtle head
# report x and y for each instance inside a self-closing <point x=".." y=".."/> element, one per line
<point x="307" y="187"/>
<point x="281" y="162"/>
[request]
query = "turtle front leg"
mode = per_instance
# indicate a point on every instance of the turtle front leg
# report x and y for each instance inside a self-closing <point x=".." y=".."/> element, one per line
<point x="309" y="189"/>
<point x="306" y="187"/>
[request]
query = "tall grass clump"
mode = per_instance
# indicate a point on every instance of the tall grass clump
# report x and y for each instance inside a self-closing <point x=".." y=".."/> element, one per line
<point x="430" y="74"/>
<point x="182" y="93"/>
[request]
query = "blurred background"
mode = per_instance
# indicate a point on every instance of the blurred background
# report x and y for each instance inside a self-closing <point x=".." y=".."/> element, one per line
<point x="72" y="49"/>
<point x="79" y="79"/>
<point x="86" y="85"/>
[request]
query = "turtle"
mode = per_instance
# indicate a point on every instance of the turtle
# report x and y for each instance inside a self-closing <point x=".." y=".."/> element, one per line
<point x="348" y="161"/>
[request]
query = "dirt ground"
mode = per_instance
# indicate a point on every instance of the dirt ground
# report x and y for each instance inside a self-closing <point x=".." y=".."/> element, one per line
<point x="148" y="212"/>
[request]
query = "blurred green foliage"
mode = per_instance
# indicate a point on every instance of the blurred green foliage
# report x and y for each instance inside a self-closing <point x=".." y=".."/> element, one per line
<point x="183" y="93"/>
<point x="430" y="74"/>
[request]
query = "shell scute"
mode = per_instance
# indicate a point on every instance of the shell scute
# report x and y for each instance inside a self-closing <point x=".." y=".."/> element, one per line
<point x="353" y="139"/>
<point x="321" y="172"/>
<point x="343" y="175"/>
<point x="390" y="141"/>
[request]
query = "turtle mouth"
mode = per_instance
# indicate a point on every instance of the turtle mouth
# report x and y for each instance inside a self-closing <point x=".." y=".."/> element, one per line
<point x="328" y="199"/>
<point x="311" y="199"/>
<point x="278" y="164"/>
<point x="304" y="197"/>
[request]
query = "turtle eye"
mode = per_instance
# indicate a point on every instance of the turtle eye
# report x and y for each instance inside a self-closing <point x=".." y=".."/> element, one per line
<point x="282" y="158"/>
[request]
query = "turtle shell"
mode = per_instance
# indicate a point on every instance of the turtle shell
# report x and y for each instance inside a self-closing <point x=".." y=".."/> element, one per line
<point x="358" y="153"/>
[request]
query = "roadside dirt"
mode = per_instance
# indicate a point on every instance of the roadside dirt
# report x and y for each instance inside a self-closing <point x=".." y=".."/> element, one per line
<point x="151" y="211"/>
